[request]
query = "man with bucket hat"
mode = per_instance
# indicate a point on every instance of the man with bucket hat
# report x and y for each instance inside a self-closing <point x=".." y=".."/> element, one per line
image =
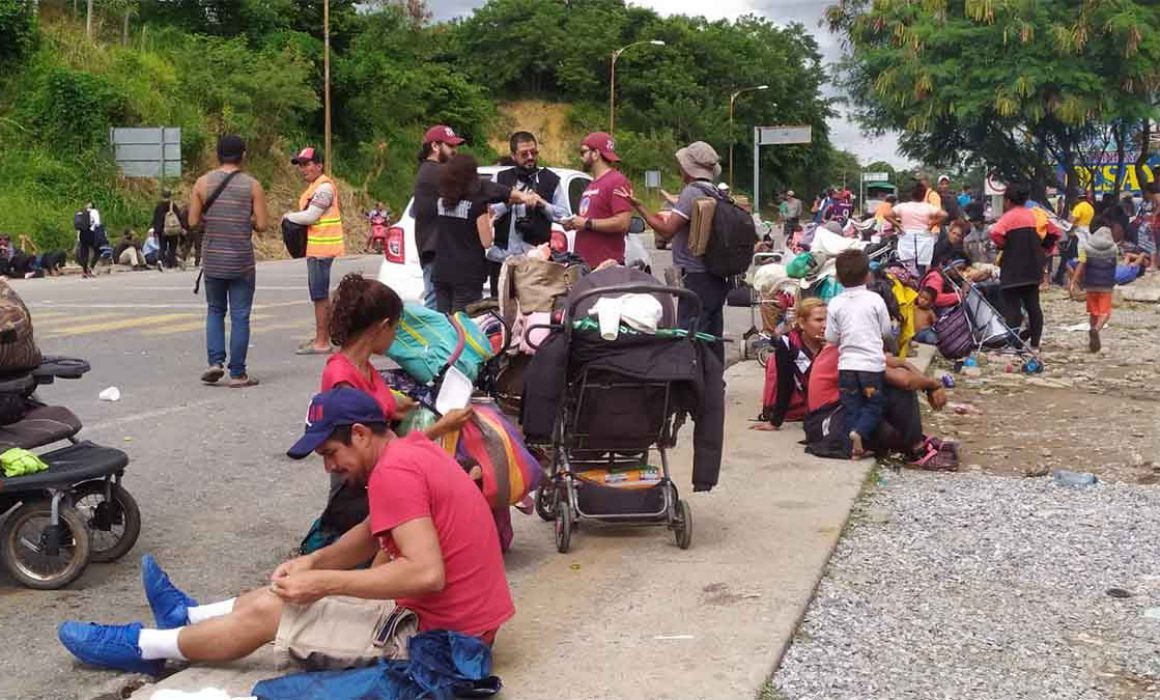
<point x="700" y="167"/>
<point x="430" y="530"/>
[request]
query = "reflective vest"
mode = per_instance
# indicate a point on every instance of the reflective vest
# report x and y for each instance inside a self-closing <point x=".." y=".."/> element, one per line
<point x="324" y="237"/>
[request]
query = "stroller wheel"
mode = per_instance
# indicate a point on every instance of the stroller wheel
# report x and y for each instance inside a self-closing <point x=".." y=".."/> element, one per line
<point x="113" y="525"/>
<point x="764" y="352"/>
<point x="39" y="555"/>
<point x="547" y="501"/>
<point x="683" y="526"/>
<point x="563" y="529"/>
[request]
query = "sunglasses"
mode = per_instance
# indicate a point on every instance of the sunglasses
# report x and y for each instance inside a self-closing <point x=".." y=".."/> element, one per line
<point x="532" y="153"/>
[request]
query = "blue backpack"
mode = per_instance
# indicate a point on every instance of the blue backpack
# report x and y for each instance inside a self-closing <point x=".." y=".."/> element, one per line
<point x="426" y="340"/>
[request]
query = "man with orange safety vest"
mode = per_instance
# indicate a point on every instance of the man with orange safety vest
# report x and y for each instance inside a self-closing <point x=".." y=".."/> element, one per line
<point x="318" y="210"/>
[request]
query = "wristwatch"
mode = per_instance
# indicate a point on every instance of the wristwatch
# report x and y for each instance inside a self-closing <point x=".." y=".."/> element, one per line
<point x="588" y="224"/>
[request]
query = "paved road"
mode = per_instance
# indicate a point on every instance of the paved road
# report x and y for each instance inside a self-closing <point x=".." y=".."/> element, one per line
<point x="221" y="504"/>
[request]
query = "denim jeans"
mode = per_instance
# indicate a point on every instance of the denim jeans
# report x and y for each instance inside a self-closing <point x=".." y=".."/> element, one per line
<point x="236" y="295"/>
<point x="429" y="286"/>
<point x="862" y="400"/>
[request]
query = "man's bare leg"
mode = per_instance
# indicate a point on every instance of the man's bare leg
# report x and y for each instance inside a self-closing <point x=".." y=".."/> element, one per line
<point x="253" y="623"/>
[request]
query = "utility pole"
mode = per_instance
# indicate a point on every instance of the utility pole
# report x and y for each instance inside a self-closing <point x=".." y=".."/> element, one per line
<point x="326" y="81"/>
<point x="732" y="99"/>
<point x="612" y="81"/>
<point x="89" y="20"/>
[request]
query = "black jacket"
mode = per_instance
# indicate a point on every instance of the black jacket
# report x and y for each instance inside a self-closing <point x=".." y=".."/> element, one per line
<point x="691" y="368"/>
<point x="539" y="226"/>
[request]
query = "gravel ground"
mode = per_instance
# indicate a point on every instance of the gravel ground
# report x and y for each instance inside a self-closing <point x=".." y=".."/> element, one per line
<point x="977" y="586"/>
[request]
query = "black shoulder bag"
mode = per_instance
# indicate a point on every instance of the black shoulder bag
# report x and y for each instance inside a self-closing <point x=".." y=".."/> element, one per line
<point x="204" y="210"/>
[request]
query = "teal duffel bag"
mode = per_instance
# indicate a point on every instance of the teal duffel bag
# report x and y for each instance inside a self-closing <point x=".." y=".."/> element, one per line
<point x="426" y="339"/>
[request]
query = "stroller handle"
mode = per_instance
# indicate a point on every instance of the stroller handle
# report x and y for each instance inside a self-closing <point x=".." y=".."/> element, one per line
<point x="677" y="292"/>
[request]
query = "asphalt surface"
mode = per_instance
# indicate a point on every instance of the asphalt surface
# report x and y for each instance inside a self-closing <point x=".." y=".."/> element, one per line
<point x="221" y="504"/>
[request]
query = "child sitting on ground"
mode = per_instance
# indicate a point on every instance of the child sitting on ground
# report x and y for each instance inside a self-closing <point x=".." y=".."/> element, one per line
<point x="858" y="323"/>
<point x="1097" y="270"/>
<point x="924" y="316"/>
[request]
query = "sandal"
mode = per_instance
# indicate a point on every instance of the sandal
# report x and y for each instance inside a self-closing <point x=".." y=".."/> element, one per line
<point x="309" y="349"/>
<point x="213" y="374"/>
<point x="243" y="382"/>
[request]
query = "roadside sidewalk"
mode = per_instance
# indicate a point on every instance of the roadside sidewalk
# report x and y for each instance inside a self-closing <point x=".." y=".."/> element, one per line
<point x="626" y="614"/>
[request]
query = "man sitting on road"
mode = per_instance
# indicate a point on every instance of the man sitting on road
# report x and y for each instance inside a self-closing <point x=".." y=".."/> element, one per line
<point x="434" y="542"/>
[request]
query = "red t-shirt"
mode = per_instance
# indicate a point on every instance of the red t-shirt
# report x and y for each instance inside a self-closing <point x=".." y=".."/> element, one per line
<point x="413" y="479"/>
<point x="340" y="370"/>
<point x="823" y="379"/>
<point x="598" y="202"/>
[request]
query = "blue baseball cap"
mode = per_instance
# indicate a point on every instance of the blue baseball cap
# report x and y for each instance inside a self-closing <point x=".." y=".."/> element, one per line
<point x="334" y="409"/>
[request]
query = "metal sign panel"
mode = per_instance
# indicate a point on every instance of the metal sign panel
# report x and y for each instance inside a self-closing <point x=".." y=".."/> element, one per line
<point x="773" y="135"/>
<point x="875" y="177"/>
<point x="147" y="151"/>
<point x="652" y="179"/>
<point x="993" y="187"/>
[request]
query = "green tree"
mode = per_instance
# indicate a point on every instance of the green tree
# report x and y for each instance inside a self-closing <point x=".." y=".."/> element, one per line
<point x="18" y="30"/>
<point x="1011" y="84"/>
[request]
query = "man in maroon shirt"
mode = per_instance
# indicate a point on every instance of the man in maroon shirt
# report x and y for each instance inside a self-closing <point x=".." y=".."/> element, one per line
<point x="602" y="221"/>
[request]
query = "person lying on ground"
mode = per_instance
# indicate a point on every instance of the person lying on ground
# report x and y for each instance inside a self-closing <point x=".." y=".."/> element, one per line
<point x="434" y="542"/>
<point x="787" y="374"/>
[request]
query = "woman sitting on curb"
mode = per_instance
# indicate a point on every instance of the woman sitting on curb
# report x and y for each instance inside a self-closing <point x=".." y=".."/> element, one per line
<point x="787" y="376"/>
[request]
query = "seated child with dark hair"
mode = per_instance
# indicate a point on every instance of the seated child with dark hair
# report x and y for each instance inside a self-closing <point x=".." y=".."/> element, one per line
<point x="925" y="316"/>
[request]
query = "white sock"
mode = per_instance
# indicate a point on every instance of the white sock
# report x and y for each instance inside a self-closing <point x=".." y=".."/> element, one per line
<point x="159" y="644"/>
<point x="201" y="613"/>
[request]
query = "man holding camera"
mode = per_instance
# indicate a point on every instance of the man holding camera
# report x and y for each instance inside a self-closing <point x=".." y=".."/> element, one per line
<point x="520" y="226"/>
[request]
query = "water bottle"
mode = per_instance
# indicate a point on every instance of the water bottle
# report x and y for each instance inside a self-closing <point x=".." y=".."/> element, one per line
<point x="1064" y="477"/>
<point x="970" y="361"/>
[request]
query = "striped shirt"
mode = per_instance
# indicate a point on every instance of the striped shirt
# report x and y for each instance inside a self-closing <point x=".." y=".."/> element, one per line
<point x="229" y="248"/>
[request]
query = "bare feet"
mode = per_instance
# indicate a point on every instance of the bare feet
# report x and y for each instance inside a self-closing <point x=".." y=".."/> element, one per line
<point x="856" y="449"/>
<point x="765" y="427"/>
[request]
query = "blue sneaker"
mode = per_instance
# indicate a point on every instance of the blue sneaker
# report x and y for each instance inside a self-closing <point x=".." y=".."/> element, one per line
<point x="108" y="646"/>
<point x="170" y="606"/>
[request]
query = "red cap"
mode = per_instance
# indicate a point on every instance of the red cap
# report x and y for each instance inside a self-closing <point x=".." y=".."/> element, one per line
<point x="444" y="134"/>
<point x="307" y="155"/>
<point x="604" y="143"/>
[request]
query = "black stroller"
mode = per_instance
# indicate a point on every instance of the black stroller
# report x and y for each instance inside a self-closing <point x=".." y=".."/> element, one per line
<point x="608" y="421"/>
<point x="59" y="520"/>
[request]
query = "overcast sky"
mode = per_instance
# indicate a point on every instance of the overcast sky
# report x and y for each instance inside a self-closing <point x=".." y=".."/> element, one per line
<point x="843" y="133"/>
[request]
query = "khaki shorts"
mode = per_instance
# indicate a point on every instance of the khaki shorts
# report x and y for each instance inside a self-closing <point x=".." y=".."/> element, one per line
<point x="340" y="632"/>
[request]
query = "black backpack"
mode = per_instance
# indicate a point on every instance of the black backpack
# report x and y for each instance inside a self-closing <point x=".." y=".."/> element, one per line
<point x="294" y="236"/>
<point x="81" y="221"/>
<point x="730" y="248"/>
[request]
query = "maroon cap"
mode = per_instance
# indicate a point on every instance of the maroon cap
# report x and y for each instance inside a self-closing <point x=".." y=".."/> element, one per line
<point x="307" y="155"/>
<point x="445" y="134"/>
<point x="604" y="143"/>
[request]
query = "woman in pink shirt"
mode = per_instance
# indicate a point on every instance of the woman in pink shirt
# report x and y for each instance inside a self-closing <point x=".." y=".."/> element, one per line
<point x="914" y="220"/>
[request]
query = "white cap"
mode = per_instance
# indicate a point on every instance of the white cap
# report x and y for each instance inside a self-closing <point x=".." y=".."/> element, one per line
<point x="944" y="177"/>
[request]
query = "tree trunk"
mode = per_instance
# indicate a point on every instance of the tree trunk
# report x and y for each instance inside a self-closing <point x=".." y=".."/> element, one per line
<point x="125" y="30"/>
<point x="89" y="20"/>
<point x="1121" y="158"/>
<point x="1145" y="149"/>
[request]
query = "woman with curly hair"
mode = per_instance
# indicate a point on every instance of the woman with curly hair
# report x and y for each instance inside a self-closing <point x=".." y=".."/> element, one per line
<point x="365" y="316"/>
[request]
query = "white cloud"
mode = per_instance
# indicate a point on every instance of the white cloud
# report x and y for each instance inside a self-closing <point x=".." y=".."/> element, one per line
<point x="844" y="133"/>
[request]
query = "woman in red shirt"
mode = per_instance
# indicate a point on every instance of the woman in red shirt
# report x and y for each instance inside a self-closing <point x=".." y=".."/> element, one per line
<point x="363" y="322"/>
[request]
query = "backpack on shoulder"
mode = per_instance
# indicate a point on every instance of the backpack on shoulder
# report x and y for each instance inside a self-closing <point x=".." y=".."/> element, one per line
<point x="172" y="226"/>
<point x="82" y="221"/>
<point x="729" y="250"/>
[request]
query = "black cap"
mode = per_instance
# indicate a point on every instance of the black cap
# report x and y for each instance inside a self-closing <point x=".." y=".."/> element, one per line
<point x="230" y="147"/>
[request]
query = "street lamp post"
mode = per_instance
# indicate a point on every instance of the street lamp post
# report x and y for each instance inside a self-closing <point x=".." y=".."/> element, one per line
<point x="732" y="99"/>
<point x="329" y="156"/>
<point x="612" y="81"/>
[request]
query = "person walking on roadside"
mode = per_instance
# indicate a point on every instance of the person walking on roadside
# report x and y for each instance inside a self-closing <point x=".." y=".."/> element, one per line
<point x="318" y="210"/>
<point x="603" y="217"/>
<point x="86" y="239"/>
<point x="440" y="144"/>
<point x="232" y="205"/>
<point x="700" y="167"/>
<point x="169" y="226"/>
<point x="793" y="214"/>
<point x="1023" y="239"/>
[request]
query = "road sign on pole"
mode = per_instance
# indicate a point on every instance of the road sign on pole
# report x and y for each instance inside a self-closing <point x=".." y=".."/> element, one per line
<point x="147" y="152"/>
<point x="784" y="135"/>
<point x="652" y="179"/>
<point x="875" y="177"/>
<point x="773" y="136"/>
